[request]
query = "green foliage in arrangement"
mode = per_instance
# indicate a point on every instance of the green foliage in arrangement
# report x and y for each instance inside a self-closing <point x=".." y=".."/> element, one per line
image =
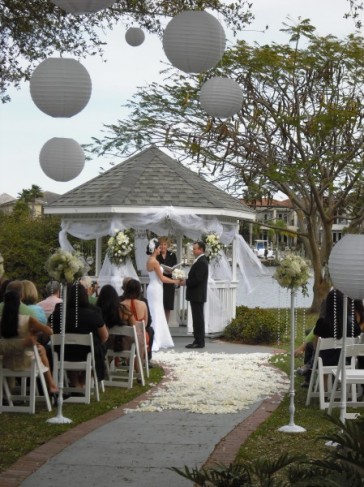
<point x="253" y="326"/>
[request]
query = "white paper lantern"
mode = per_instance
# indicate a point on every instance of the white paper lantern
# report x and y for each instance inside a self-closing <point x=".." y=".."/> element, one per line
<point x="221" y="97"/>
<point x="194" y="41"/>
<point x="60" y="87"/>
<point x="62" y="159"/>
<point x="346" y="266"/>
<point x="83" y="6"/>
<point x="134" y="36"/>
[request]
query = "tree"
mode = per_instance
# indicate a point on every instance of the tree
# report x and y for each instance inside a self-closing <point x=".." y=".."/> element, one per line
<point x="32" y="31"/>
<point x="300" y="131"/>
<point x="26" y="244"/>
<point x="29" y="197"/>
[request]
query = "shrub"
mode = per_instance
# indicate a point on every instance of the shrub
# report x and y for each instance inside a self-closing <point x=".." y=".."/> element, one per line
<point x="253" y="326"/>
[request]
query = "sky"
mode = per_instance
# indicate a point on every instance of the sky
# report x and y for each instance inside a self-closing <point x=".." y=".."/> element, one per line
<point x="24" y="129"/>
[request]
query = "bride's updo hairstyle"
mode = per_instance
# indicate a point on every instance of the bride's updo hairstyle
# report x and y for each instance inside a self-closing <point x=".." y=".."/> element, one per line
<point x="152" y="245"/>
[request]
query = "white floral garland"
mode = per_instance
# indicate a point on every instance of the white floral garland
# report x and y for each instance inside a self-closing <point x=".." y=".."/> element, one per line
<point x="119" y="247"/>
<point x="64" y="266"/>
<point x="293" y="272"/>
<point x="213" y="383"/>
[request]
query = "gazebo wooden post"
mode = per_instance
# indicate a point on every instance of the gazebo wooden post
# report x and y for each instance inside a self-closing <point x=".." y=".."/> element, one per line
<point x="98" y="256"/>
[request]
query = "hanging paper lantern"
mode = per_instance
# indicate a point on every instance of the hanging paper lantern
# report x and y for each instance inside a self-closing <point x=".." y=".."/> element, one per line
<point x="221" y="97"/>
<point x="60" y="87"/>
<point x="134" y="36"/>
<point x="62" y="159"/>
<point x="83" y="6"/>
<point x="346" y="266"/>
<point x="194" y="41"/>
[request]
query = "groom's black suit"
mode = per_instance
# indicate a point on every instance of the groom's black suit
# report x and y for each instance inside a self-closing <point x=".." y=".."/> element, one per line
<point x="196" y="294"/>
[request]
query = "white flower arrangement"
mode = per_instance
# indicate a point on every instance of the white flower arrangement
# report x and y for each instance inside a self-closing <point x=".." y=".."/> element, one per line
<point x="178" y="274"/>
<point x="213" y="245"/>
<point x="119" y="247"/>
<point x="65" y="266"/>
<point x="293" y="272"/>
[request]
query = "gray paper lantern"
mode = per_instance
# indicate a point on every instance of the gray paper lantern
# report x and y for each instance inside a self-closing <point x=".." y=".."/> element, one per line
<point x="83" y="6"/>
<point x="134" y="36"/>
<point x="60" y="87"/>
<point x="194" y="41"/>
<point x="346" y="266"/>
<point x="62" y="159"/>
<point x="221" y="97"/>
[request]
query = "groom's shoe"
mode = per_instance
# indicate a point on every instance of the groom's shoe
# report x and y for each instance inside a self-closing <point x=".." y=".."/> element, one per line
<point x="195" y="345"/>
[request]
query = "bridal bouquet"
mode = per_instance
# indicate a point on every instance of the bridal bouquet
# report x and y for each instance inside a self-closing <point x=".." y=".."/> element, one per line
<point x="292" y="273"/>
<point x="65" y="266"/>
<point x="213" y="245"/>
<point x="178" y="274"/>
<point x="120" y="246"/>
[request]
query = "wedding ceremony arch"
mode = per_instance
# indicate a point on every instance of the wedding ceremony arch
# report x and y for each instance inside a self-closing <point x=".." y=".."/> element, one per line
<point x="152" y="192"/>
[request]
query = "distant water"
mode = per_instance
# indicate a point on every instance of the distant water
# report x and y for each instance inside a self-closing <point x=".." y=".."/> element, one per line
<point x="268" y="293"/>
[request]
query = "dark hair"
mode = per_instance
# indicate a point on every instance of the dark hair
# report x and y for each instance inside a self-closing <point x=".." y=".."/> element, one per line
<point x="3" y="287"/>
<point x="109" y="303"/>
<point x="10" y="317"/>
<point x="359" y="308"/>
<point x="200" y="244"/>
<point x="78" y="296"/>
<point x="156" y="245"/>
<point x="132" y="290"/>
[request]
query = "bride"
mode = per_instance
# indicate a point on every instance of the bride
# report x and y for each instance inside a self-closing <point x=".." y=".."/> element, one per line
<point x="162" y="336"/>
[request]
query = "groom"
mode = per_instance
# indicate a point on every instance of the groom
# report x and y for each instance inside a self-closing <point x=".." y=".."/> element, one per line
<point x="196" y="293"/>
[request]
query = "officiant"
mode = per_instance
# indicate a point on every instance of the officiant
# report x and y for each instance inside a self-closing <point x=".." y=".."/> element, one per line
<point x="168" y="258"/>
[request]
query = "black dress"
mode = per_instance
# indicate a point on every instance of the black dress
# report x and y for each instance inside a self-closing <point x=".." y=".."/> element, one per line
<point x="168" y="289"/>
<point x="89" y="319"/>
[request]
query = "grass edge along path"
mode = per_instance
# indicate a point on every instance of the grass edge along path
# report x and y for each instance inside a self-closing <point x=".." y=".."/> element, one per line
<point x="27" y="438"/>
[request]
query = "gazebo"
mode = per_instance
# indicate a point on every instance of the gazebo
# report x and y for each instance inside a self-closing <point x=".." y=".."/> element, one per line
<point x="152" y="192"/>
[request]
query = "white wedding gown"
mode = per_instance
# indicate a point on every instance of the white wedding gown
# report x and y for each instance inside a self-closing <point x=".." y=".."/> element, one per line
<point x="162" y="335"/>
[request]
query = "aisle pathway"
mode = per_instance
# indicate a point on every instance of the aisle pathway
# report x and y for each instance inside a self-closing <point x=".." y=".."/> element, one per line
<point x="138" y="448"/>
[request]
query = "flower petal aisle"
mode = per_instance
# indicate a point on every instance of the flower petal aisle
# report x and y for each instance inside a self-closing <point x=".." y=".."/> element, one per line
<point x="213" y="383"/>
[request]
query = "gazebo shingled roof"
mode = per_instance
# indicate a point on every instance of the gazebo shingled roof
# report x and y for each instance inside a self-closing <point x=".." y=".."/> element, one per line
<point x="151" y="178"/>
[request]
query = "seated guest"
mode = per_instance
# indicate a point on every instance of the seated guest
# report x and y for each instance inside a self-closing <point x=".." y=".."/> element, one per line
<point x="132" y="302"/>
<point x="82" y="317"/>
<point x="148" y="324"/>
<point x="53" y="297"/>
<point x="31" y="298"/>
<point x="14" y="325"/>
<point x="114" y="314"/>
<point x="24" y="309"/>
<point x="91" y="287"/>
<point x="332" y="326"/>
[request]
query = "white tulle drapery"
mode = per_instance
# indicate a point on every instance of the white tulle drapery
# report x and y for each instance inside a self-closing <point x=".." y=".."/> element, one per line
<point x="114" y="275"/>
<point x="168" y="221"/>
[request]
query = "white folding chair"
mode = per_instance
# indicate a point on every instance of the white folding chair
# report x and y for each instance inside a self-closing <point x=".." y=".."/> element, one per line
<point x="322" y="374"/>
<point x="22" y="398"/>
<point x="87" y="366"/>
<point x="140" y="329"/>
<point x="353" y="376"/>
<point x="120" y="364"/>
